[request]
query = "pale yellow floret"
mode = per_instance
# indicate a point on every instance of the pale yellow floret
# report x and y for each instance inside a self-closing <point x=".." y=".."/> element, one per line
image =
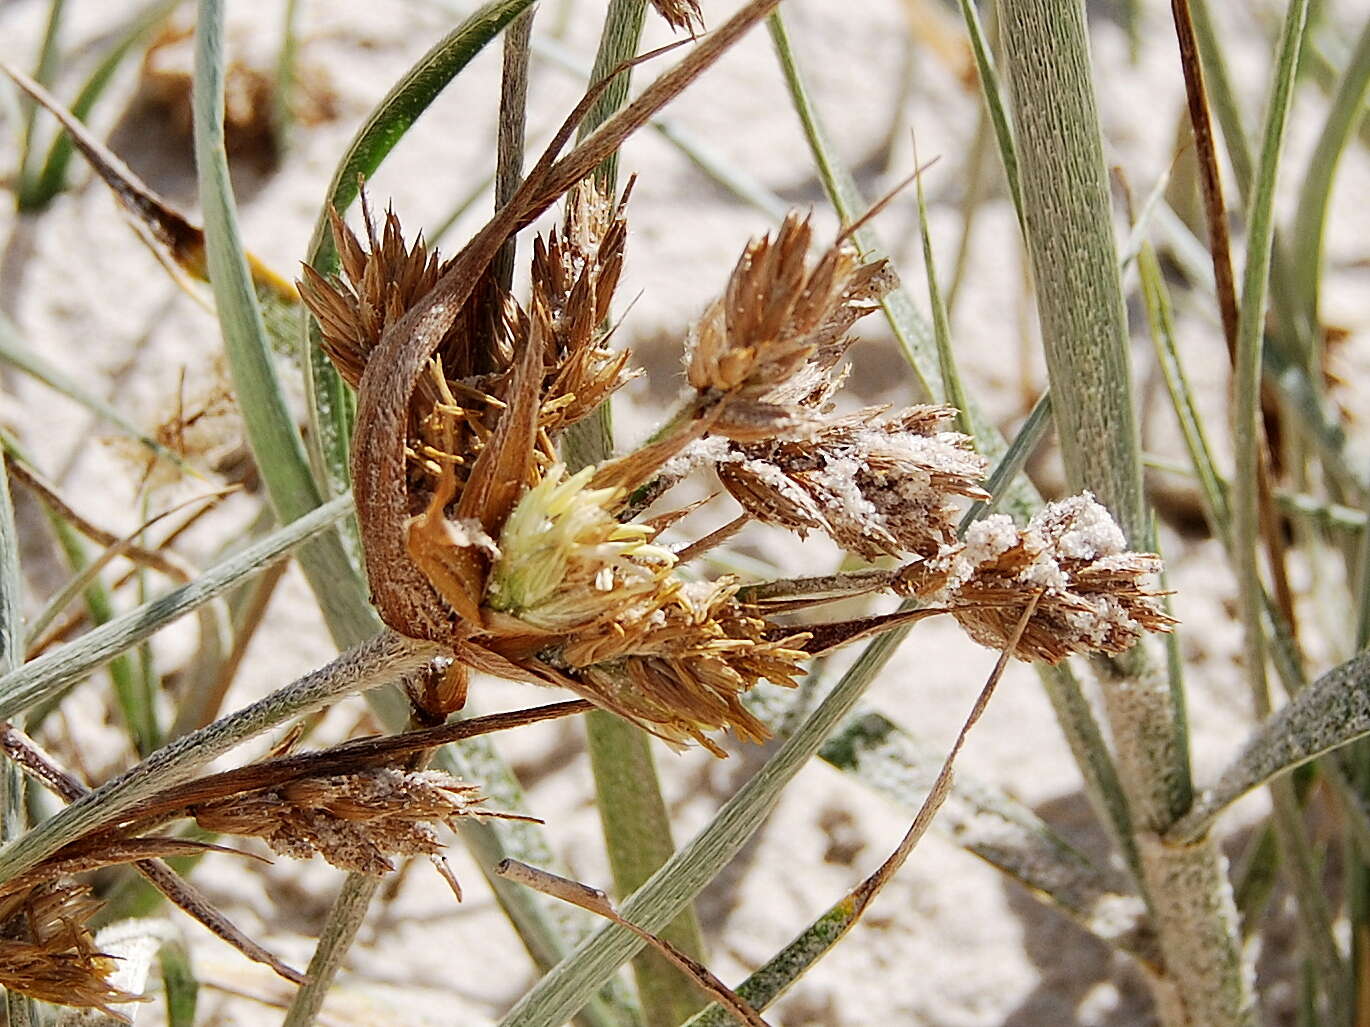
<point x="566" y="561"/>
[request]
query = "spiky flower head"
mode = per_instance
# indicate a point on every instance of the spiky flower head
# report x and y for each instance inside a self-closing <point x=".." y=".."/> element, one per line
<point x="380" y="283"/>
<point x="575" y="271"/>
<point x="876" y="486"/>
<point x="680" y="667"/>
<point x="47" y="951"/>
<point x="355" y="821"/>
<point x="482" y="417"/>
<point x="683" y="15"/>
<point x="768" y="343"/>
<point x="1096" y="595"/>
<point x="565" y="561"/>
<point x="532" y="574"/>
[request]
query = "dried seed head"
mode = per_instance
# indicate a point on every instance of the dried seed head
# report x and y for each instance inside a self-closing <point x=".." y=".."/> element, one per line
<point x="47" y="952"/>
<point x="481" y="424"/>
<point x="683" y="15"/>
<point x="1096" y="596"/>
<point x="565" y="561"/>
<point x="355" y="821"/>
<point x="769" y="346"/>
<point x="575" y="271"/>
<point x="379" y="286"/>
<point x="877" y="487"/>
<point x="769" y="343"/>
<point x="679" y="668"/>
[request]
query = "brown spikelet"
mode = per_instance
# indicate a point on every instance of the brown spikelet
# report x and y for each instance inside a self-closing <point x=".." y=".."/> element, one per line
<point x="1095" y="595"/>
<point x="679" y="666"/>
<point x="682" y="15"/>
<point x="47" y="952"/>
<point x="575" y="272"/>
<point x="379" y="284"/>
<point x="355" y="821"/>
<point x="876" y="486"/>
<point x="769" y="342"/>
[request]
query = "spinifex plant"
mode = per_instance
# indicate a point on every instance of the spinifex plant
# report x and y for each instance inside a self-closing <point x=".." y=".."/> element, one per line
<point x="506" y="563"/>
<point x="501" y="534"/>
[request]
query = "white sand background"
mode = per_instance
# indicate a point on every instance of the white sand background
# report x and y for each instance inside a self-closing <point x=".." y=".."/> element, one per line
<point x="950" y="942"/>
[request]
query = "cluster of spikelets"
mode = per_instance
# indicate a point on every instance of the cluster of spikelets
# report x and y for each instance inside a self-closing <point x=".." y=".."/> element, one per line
<point x="534" y="571"/>
<point x="356" y="821"/>
<point x="523" y="564"/>
<point x="555" y="577"/>
<point x="358" y="812"/>
<point x="47" y="951"/>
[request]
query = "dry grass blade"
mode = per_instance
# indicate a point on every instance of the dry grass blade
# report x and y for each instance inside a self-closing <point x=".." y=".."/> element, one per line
<point x="166" y="226"/>
<point x="824" y="638"/>
<point x="349" y="757"/>
<point x="99" y="853"/>
<point x="112" y="551"/>
<point x="154" y="559"/>
<point x="1219" y="245"/>
<point x="594" y="900"/>
<point x="715" y="538"/>
<point x="862" y="896"/>
<point x="193" y="902"/>
<point x="1210" y="180"/>
<point x="766" y="984"/>
<point x="819" y="586"/>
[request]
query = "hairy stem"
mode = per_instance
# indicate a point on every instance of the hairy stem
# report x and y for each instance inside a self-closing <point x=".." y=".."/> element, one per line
<point x="1084" y="330"/>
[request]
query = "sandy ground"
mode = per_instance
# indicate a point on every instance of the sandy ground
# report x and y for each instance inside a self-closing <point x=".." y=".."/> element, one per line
<point x="950" y="943"/>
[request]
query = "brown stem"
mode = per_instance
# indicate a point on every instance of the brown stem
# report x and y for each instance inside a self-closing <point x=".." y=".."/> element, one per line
<point x="166" y="563"/>
<point x="714" y="538"/>
<point x="1220" y="249"/>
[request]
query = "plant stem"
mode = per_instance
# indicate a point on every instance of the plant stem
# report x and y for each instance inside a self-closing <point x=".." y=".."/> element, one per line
<point x="637" y="834"/>
<point x="636" y="825"/>
<point x="1084" y="330"/>
<point x="344" y="920"/>
<point x="513" y="123"/>
<point x="617" y="43"/>
<point x="19" y="1010"/>
<point x="44" y="677"/>
<point x="283" y="93"/>
<point x="43" y="73"/>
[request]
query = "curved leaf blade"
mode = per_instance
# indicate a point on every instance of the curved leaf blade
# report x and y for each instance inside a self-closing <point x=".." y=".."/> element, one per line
<point x="1331" y="712"/>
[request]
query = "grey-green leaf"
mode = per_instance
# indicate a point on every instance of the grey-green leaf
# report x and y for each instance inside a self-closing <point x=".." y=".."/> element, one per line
<point x="44" y="676"/>
<point x="1331" y="712"/>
